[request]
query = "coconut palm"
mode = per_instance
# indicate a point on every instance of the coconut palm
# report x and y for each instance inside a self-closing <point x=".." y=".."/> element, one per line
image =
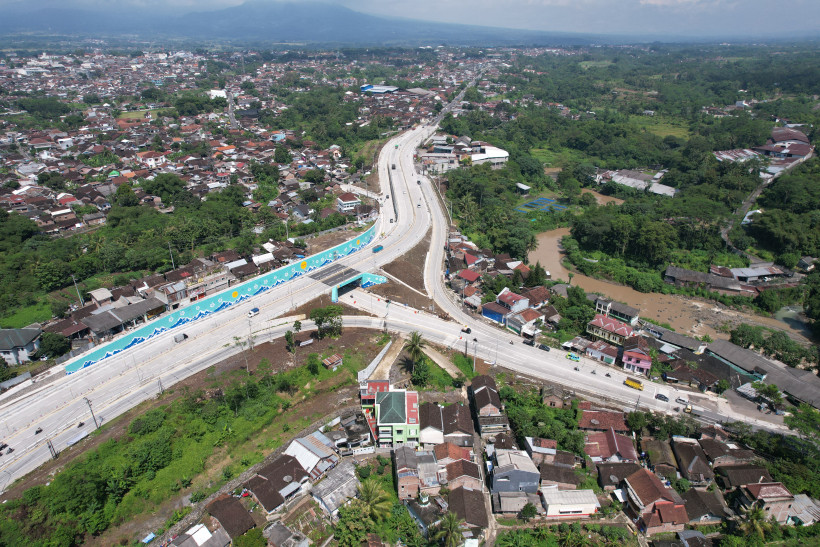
<point x="373" y="496"/>
<point x="415" y="346"/>
<point x="513" y="538"/>
<point x="448" y="530"/>
<point x="754" y="522"/>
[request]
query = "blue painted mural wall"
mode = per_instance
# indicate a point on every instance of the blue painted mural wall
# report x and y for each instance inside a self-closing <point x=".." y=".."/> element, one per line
<point x="212" y="304"/>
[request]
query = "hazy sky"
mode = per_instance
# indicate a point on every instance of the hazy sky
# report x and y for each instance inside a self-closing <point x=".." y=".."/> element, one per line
<point x="632" y="17"/>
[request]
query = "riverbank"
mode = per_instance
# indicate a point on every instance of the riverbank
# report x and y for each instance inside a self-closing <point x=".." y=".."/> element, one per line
<point x="687" y="315"/>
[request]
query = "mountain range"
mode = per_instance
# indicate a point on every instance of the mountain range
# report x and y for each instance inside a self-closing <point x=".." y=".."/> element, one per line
<point x="266" y="21"/>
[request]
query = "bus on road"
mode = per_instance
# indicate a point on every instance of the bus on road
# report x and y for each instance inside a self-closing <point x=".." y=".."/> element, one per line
<point x="634" y="384"/>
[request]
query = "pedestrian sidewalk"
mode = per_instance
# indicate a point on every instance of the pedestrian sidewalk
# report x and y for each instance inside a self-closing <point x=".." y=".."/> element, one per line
<point x="442" y="361"/>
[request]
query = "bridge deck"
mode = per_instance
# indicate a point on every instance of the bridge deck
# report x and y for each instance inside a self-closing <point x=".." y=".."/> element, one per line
<point x="334" y="274"/>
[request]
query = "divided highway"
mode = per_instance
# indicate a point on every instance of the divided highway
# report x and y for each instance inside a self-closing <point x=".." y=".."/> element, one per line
<point x="119" y="383"/>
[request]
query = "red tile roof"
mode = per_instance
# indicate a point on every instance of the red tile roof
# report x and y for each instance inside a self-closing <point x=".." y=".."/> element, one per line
<point x="602" y="419"/>
<point x="450" y="451"/>
<point x="768" y="491"/>
<point x="529" y="315"/>
<point x="509" y="298"/>
<point x="649" y="488"/>
<point x="605" y="444"/>
<point x="544" y="443"/>
<point x="412" y="400"/>
<point x="469" y="275"/>
<point x="461" y="468"/>
<point x="612" y="325"/>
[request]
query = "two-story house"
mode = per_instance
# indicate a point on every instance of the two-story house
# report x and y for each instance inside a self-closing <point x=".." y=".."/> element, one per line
<point x="619" y="311"/>
<point x="636" y="355"/>
<point x="487" y="406"/>
<point x="609" y="329"/>
<point x="18" y="345"/>
<point x="774" y="498"/>
<point x="406" y="470"/>
<point x="656" y="507"/>
<point x="512" y="301"/>
<point x="346" y="203"/>
<point x="514" y="471"/>
<point x="392" y="414"/>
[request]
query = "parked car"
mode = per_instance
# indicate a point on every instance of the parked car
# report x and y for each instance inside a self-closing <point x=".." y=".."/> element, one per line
<point x="662" y="397"/>
<point x="573" y="357"/>
<point x="528" y="342"/>
<point x="543" y="347"/>
<point x="682" y="401"/>
<point x="254" y="312"/>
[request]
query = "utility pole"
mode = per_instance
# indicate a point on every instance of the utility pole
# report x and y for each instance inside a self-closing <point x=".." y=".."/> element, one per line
<point x="475" y="352"/>
<point x="161" y="389"/>
<point x="173" y="266"/>
<point x="82" y="302"/>
<point x="97" y="425"/>
<point x="250" y="333"/>
<point x="51" y="449"/>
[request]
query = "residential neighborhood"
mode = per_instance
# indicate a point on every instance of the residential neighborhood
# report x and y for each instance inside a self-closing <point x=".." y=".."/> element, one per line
<point x="485" y="294"/>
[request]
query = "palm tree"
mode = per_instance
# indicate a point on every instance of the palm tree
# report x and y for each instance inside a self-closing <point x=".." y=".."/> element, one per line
<point x="754" y="522"/>
<point x="448" y="530"/>
<point x="373" y="496"/>
<point x="415" y="346"/>
<point x="513" y="538"/>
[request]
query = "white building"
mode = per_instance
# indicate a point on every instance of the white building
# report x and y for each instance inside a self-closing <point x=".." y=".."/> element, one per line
<point x="18" y="345"/>
<point x="347" y="202"/>
<point x="496" y="157"/>
<point x="570" y="503"/>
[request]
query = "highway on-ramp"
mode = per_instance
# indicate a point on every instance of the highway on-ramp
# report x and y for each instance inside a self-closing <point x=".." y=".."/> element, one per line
<point x="409" y="206"/>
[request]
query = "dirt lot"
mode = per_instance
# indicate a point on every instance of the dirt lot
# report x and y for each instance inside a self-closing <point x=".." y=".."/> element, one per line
<point x="602" y="199"/>
<point x="326" y="241"/>
<point x="410" y="267"/>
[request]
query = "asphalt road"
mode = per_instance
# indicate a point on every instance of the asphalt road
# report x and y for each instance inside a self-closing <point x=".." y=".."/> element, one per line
<point x="120" y="382"/>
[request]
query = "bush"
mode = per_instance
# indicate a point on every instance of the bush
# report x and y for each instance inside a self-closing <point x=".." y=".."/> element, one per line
<point x="198" y="496"/>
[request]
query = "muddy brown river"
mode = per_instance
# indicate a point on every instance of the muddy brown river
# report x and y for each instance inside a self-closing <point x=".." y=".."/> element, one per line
<point x="687" y="315"/>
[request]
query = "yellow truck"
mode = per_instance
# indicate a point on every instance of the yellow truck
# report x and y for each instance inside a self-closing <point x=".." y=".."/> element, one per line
<point x="634" y="384"/>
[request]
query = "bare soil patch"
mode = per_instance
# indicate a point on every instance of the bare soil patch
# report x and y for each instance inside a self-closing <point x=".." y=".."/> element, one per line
<point x="326" y="241"/>
<point x="602" y="199"/>
<point x="410" y="266"/>
<point x="400" y="293"/>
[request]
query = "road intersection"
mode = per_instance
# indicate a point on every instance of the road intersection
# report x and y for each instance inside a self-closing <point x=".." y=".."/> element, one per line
<point x="118" y="383"/>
